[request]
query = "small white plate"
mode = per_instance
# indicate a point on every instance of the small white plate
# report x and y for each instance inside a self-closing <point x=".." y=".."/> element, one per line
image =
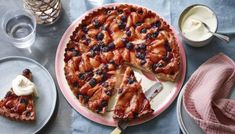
<point x="186" y="123"/>
<point x="10" y="67"/>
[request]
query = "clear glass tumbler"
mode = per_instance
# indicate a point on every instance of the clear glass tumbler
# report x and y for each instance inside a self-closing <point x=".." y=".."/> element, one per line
<point x="18" y="27"/>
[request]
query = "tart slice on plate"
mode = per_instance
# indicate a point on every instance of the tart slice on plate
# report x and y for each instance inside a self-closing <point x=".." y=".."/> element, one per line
<point x="18" y="103"/>
<point x="131" y="102"/>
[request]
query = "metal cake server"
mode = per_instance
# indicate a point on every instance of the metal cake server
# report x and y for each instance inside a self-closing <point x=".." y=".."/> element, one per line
<point x="150" y="94"/>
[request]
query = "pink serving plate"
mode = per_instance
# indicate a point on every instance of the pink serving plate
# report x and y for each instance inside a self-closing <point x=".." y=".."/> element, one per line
<point x="162" y="100"/>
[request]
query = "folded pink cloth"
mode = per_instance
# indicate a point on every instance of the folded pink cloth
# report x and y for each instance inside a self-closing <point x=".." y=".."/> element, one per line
<point x="205" y="96"/>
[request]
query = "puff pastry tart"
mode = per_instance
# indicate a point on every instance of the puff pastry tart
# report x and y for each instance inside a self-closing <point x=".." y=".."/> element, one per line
<point x="113" y="37"/>
<point x="17" y="107"/>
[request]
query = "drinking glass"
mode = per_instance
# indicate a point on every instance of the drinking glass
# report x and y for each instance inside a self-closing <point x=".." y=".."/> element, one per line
<point x="18" y="27"/>
<point x="95" y="3"/>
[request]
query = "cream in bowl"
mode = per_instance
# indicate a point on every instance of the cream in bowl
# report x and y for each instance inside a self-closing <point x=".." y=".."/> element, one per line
<point x="191" y="25"/>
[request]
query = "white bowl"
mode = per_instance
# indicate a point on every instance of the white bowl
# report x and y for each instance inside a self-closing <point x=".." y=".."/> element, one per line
<point x="188" y="41"/>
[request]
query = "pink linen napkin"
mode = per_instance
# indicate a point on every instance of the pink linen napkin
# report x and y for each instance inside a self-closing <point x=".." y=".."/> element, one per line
<point x="205" y="96"/>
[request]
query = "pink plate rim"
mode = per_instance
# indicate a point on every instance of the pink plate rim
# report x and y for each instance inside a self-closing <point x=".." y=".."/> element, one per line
<point x="59" y="70"/>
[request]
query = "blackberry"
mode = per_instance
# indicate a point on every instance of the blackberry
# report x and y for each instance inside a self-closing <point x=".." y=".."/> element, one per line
<point x="81" y="76"/>
<point x="24" y="101"/>
<point x="75" y="84"/>
<point x="128" y="33"/>
<point x="130" y="80"/>
<point x="138" y="24"/>
<point x="105" y="49"/>
<point x="156" y="24"/>
<point x="144" y="30"/>
<point x="111" y="46"/>
<point x="96" y="48"/>
<point x="96" y="23"/>
<point x="142" y="46"/>
<point x="76" y="52"/>
<point x="140" y="56"/>
<point x="142" y="62"/>
<point x="104" y="103"/>
<point x="129" y="46"/>
<point x="26" y="72"/>
<point x="155" y="34"/>
<point x="123" y="18"/>
<point x="121" y="25"/>
<point x="84" y="29"/>
<point x="92" y="82"/>
<point x="100" y="36"/>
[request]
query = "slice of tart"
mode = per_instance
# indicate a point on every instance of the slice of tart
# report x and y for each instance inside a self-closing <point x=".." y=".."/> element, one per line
<point x="18" y="103"/>
<point x="97" y="91"/>
<point x="131" y="102"/>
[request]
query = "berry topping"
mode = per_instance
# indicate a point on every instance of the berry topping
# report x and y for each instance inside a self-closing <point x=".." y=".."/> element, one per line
<point x="156" y="24"/>
<point x="86" y="98"/>
<point x="99" y="72"/>
<point x="124" y="40"/>
<point x="75" y="84"/>
<point x="24" y="101"/>
<point x="108" y="92"/>
<point x="96" y="23"/>
<point x="111" y="46"/>
<point x="155" y="34"/>
<point x="100" y="36"/>
<point x="88" y="41"/>
<point x="103" y="77"/>
<point x="142" y="62"/>
<point x="104" y="103"/>
<point x="99" y="109"/>
<point x="129" y="45"/>
<point x="92" y="82"/>
<point x="81" y="76"/>
<point x="28" y="113"/>
<point x="128" y="33"/>
<point x="121" y="25"/>
<point x="140" y="55"/>
<point x="131" y="80"/>
<point x="84" y="29"/>
<point x="76" y="52"/>
<point x="26" y="72"/>
<point x="142" y="46"/>
<point x="96" y="48"/>
<point x="123" y="18"/>
<point x="167" y="46"/>
<point x="156" y="65"/>
<point x="144" y="30"/>
<point x="105" y="84"/>
<point x="105" y="49"/>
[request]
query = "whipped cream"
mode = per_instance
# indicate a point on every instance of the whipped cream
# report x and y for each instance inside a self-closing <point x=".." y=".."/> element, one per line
<point x="192" y="27"/>
<point x="23" y="86"/>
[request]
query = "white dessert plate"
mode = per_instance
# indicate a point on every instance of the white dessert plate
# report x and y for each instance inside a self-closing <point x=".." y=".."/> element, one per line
<point x="45" y="104"/>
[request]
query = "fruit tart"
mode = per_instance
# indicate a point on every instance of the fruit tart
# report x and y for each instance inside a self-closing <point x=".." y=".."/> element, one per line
<point x="18" y="103"/>
<point x="108" y="39"/>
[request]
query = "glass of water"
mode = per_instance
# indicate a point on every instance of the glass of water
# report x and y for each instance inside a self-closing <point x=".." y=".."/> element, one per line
<point x="19" y="27"/>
